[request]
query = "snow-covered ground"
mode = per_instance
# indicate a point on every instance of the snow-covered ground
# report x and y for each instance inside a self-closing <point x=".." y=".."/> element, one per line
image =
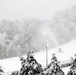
<point x="68" y="50"/>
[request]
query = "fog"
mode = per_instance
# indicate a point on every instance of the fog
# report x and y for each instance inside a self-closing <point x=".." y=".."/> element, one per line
<point x="42" y="9"/>
<point x="30" y="25"/>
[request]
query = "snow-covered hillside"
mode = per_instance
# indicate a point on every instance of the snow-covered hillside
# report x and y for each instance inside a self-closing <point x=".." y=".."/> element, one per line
<point x="68" y="50"/>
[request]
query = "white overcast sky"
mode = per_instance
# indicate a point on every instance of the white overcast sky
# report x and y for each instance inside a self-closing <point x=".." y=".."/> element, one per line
<point x="42" y="9"/>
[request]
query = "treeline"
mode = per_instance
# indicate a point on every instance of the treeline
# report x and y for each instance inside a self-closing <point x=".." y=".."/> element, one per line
<point x="64" y="25"/>
<point x="18" y="37"/>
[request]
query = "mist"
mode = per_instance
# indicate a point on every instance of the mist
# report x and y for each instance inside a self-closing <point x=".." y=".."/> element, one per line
<point x="45" y="37"/>
<point x="31" y="34"/>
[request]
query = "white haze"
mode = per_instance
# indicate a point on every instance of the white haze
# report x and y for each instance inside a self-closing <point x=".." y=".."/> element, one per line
<point x="42" y="9"/>
<point x="45" y="37"/>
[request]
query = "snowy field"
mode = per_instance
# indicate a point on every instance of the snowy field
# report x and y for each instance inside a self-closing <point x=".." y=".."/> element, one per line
<point x="68" y="50"/>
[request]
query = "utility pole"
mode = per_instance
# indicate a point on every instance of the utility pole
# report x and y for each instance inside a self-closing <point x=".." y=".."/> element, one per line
<point x="46" y="46"/>
<point x="46" y="55"/>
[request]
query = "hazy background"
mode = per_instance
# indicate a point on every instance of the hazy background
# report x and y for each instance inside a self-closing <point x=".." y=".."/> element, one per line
<point x="29" y="25"/>
<point x="40" y="9"/>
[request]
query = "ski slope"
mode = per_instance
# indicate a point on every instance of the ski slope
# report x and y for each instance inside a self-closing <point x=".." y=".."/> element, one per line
<point x="68" y="50"/>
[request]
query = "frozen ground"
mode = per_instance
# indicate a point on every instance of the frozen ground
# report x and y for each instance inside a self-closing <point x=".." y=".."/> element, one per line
<point x="68" y="50"/>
